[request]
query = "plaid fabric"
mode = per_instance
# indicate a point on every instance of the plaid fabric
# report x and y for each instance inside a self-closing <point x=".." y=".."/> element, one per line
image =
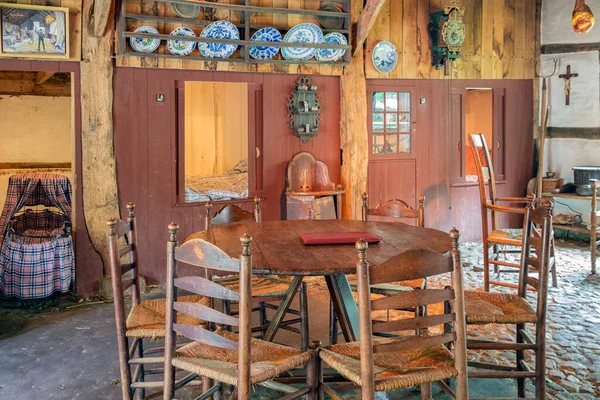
<point x="36" y="258"/>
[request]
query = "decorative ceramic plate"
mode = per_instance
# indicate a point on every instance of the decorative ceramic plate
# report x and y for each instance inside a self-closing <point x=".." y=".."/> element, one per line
<point x="384" y="57"/>
<point x="144" y="45"/>
<point x="219" y="30"/>
<point x="330" y="22"/>
<point x="181" y="47"/>
<point x="265" y="35"/>
<point x="189" y="11"/>
<point x="303" y="33"/>
<point x="332" y="54"/>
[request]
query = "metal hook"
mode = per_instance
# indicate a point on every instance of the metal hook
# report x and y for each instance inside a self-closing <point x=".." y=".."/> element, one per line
<point x="540" y="69"/>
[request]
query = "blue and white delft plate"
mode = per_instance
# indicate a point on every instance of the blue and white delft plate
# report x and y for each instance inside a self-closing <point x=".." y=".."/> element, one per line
<point x="265" y="35"/>
<point x="181" y="47"/>
<point x="144" y="45"/>
<point x="332" y="54"/>
<point x="303" y="33"/>
<point x="219" y="30"/>
<point x="384" y="57"/>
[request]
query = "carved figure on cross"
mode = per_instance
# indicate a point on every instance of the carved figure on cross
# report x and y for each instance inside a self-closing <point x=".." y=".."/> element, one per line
<point x="567" y="77"/>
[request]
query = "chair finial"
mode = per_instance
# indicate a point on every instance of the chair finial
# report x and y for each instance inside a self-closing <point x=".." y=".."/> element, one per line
<point x="455" y="235"/>
<point x="173" y="228"/>
<point x="246" y="239"/>
<point x="112" y="224"/>
<point x="131" y="208"/>
<point x="361" y="245"/>
<point x="365" y="196"/>
<point x="421" y="199"/>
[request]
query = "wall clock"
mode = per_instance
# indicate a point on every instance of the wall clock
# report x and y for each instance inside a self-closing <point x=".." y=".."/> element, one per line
<point x="447" y="33"/>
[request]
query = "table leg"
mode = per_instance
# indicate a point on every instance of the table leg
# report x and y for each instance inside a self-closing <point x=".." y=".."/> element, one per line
<point x="345" y="306"/>
<point x="283" y="308"/>
<point x="338" y="199"/>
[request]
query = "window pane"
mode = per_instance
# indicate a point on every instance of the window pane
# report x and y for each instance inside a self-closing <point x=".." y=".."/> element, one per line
<point x="378" y="144"/>
<point x="391" y="122"/>
<point x="404" y="119"/>
<point x="391" y="143"/>
<point x="391" y="101"/>
<point x="404" y="145"/>
<point x="378" y="101"/>
<point x="404" y="102"/>
<point x="377" y="122"/>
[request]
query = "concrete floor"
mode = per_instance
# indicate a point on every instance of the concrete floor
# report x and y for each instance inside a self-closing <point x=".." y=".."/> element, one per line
<point x="72" y="355"/>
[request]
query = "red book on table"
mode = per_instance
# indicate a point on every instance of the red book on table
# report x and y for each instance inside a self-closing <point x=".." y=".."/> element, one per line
<point x="316" y="238"/>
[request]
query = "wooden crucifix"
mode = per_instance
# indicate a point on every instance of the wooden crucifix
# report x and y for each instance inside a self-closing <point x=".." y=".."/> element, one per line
<point x="567" y="77"/>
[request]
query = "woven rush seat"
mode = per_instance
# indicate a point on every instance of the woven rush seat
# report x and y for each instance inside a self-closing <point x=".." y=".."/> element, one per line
<point x="268" y="360"/>
<point x="497" y="308"/>
<point x="147" y="319"/>
<point x="267" y="286"/>
<point x="392" y="288"/>
<point x="509" y="237"/>
<point x="393" y="370"/>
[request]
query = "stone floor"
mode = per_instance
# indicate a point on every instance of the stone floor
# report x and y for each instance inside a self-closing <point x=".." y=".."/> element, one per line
<point x="70" y="353"/>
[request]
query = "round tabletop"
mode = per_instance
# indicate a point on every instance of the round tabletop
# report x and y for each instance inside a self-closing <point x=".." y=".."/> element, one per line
<point x="277" y="249"/>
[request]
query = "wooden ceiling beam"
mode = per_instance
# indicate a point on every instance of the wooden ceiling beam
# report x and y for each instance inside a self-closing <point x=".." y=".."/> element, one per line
<point x="365" y="22"/>
<point x="42" y="77"/>
<point x="102" y="9"/>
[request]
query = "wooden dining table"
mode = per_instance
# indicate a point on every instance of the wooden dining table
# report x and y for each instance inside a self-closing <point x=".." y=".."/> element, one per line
<point x="278" y="250"/>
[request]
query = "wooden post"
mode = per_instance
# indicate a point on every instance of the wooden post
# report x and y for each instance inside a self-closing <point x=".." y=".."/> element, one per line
<point x="364" y="315"/>
<point x="100" y="196"/>
<point x="245" y="319"/>
<point x="353" y="125"/>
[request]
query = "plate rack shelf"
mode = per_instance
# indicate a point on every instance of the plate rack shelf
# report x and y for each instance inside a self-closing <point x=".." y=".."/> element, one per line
<point x="246" y="26"/>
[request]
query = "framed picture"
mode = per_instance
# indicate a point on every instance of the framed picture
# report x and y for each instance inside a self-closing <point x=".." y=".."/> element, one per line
<point x="34" y="31"/>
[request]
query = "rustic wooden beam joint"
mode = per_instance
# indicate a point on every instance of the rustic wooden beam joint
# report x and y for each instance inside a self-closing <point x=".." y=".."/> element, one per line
<point x="42" y="77"/>
<point x="569" y="48"/>
<point x="102" y="9"/>
<point x="573" y="133"/>
<point x="365" y="23"/>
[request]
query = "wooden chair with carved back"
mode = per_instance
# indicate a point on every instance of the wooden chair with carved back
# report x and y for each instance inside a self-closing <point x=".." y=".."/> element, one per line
<point x="145" y="319"/>
<point x="514" y="309"/>
<point x="221" y="355"/>
<point x="266" y="290"/>
<point x="397" y="209"/>
<point x="494" y="238"/>
<point x="418" y="351"/>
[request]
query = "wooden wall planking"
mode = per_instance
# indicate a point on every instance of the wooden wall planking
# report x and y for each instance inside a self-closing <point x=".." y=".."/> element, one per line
<point x="75" y="7"/>
<point x="500" y="41"/>
<point x="145" y="134"/>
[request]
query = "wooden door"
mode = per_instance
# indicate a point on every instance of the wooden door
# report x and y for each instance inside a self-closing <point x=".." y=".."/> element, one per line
<point x="393" y="139"/>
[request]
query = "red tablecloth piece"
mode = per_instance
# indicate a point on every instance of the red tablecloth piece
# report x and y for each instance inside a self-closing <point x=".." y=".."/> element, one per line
<point x="316" y="238"/>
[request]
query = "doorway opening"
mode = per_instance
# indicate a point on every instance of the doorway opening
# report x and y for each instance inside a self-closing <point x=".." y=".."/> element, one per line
<point x="479" y="119"/>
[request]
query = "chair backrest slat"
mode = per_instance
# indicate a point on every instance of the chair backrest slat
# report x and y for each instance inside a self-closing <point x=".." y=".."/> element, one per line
<point x="232" y="213"/>
<point x="412" y="299"/>
<point x="485" y="167"/>
<point x="123" y="227"/>
<point x="204" y="336"/>
<point x="395" y="208"/>
<point x="411" y="324"/>
<point x="206" y="287"/>
<point x="409" y="265"/>
<point x="415" y="343"/>
<point x="123" y="251"/>
<point x="195" y="252"/>
<point x="126" y="284"/>
<point x="125" y="268"/>
<point x="205" y="313"/>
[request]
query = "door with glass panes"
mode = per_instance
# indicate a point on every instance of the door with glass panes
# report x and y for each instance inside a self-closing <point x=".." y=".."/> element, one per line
<point x="393" y="138"/>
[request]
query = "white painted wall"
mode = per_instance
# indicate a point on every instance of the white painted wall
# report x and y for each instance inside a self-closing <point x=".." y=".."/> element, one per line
<point x="556" y="22"/>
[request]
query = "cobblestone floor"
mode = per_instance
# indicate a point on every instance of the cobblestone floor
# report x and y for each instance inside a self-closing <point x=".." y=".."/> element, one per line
<point x="573" y="352"/>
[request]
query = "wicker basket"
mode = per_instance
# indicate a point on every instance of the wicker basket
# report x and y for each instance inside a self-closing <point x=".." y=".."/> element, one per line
<point x="584" y="174"/>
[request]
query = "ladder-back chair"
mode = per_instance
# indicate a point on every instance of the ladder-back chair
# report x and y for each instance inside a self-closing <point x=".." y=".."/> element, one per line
<point x="266" y="290"/>
<point x="391" y="209"/>
<point x="224" y="356"/>
<point x="494" y="238"/>
<point x="384" y="361"/>
<point x="514" y="309"/>
<point x="145" y="319"/>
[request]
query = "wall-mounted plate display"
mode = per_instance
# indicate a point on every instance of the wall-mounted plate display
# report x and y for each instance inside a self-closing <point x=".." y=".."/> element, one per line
<point x="219" y="30"/>
<point x="265" y="35"/>
<point x="328" y="22"/>
<point x="303" y="33"/>
<point x="384" y="57"/>
<point x="181" y="47"/>
<point x="188" y="11"/>
<point x="332" y="54"/>
<point x="144" y="45"/>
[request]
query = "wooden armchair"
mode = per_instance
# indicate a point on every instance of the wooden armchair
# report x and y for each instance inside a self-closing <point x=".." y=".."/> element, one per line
<point x="226" y="357"/>
<point x="500" y="308"/>
<point x="382" y="361"/>
<point x="495" y="239"/>
<point x="145" y="320"/>
<point x="265" y="289"/>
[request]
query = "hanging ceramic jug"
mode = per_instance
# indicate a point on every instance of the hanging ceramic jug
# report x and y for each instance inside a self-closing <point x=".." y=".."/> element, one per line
<point x="583" y="18"/>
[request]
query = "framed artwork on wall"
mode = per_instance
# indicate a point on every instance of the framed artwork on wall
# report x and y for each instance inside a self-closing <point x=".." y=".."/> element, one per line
<point x="34" y="31"/>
